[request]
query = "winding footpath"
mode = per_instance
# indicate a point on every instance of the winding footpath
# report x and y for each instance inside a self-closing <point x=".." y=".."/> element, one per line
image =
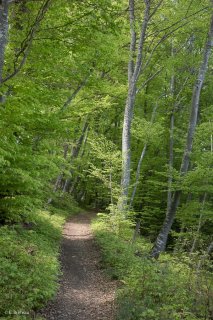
<point x="85" y="293"/>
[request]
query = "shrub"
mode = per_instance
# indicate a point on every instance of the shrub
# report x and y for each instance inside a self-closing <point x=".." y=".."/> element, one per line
<point x="152" y="290"/>
<point x="29" y="266"/>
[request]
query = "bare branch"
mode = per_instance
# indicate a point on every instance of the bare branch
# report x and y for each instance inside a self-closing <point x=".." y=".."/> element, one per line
<point x="68" y="23"/>
<point x="177" y="22"/>
<point x="163" y="38"/>
<point x="181" y="89"/>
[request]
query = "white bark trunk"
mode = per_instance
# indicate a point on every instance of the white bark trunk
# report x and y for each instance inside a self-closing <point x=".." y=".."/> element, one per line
<point x="4" y="4"/>
<point x="133" y="74"/>
<point x="161" y="241"/>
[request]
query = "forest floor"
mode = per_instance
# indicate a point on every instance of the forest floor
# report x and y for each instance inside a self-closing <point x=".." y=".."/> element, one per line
<point x="85" y="292"/>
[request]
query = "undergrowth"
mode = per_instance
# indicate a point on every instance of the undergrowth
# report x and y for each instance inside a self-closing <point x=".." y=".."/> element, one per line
<point x="29" y="265"/>
<point x="167" y="289"/>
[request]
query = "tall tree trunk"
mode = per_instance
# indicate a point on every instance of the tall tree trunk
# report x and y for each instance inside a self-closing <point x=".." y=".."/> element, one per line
<point x="4" y="4"/>
<point x="161" y="241"/>
<point x="133" y="74"/>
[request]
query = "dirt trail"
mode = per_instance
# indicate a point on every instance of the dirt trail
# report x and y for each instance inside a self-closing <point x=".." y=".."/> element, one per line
<point x="85" y="292"/>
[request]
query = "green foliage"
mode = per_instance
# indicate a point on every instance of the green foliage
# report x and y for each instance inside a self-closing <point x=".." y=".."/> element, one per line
<point x="146" y="131"/>
<point x="153" y="290"/>
<point x="81" y="52"/>
<point x="108" y="164"/>
<point x="29" y="266"/>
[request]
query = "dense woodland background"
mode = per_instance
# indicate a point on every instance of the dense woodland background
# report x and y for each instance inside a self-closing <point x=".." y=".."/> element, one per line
<point x="108" y="104"/>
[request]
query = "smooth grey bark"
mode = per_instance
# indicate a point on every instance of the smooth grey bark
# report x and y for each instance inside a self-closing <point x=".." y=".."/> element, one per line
<point x="4" y="10"/>
<point x="134" y="70"/>
<point x="161" y="240"/>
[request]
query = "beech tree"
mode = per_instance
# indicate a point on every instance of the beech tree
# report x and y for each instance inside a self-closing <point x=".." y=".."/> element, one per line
<point x="134" y="70"/>
<point x="66" y="95"/>
<point x="4" y="12"/>
<point x="161" y="241"/>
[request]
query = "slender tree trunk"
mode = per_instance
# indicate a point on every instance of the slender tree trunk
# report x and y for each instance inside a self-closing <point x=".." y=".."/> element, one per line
<point x="140" y="162"/>
<point x="171" y="139"/>
<point x="205" y="256"/>
<point x="4" y="7"/>
<point x="76" y="181"/>
<point x="74" y="184"/>
<point x="136" y="231"/>
<point x="180" y="241"/>
<point x="199" y="225"/>
<point x="75" y="152"/>
<point x="110" y="185"/>
<point x="171" y="146"/>
<point x="161" y="241"/>
<point x="60" y="176"/>
<point x="58" y="182"/>
<point x="133" y="74"/>
<point x="171" y="156"/>
<point x="76" y="91"/>
<point x="180" y="244"/>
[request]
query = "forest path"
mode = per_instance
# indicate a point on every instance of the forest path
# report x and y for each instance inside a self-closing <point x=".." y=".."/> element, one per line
<point x="85" y="293"/>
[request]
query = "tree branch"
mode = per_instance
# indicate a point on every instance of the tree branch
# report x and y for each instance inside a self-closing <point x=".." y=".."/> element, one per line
<point x="76" y="91"/>
<point x="149" y="79"/>
<point x="141" y="41"/>
<point x="26" y="44"/>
